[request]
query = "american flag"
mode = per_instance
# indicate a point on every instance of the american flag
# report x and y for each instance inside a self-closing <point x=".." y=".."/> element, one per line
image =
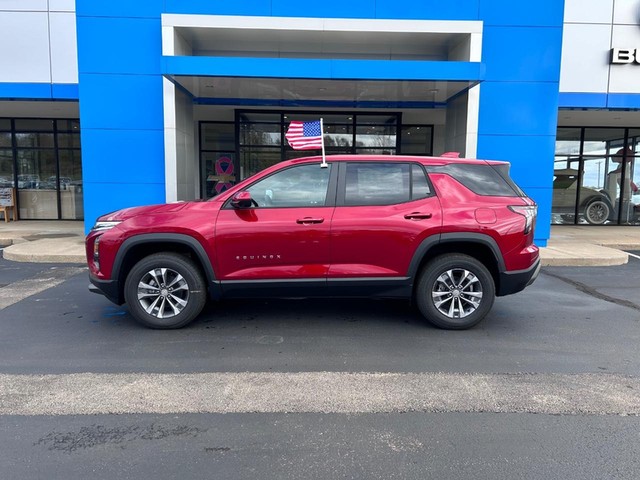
<point x="304" y="135"/>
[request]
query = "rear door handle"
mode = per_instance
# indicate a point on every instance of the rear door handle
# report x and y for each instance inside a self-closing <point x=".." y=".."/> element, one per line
<point x="309" y="220"/>
<point x="417" y="216"/>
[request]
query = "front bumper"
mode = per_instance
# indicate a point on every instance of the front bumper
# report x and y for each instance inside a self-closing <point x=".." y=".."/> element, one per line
<point x="108" y="288"/>
<point x="514" y="282"/>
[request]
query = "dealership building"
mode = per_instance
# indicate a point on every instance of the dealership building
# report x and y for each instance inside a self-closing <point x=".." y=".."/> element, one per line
<point x="105" y="105"/>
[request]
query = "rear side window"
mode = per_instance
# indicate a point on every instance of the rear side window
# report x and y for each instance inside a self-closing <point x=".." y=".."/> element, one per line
<point x="384" y="183"/>
<point x="482" y="179"/>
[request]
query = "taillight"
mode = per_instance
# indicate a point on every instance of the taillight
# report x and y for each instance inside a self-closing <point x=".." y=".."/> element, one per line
<point x="529" y="212"/>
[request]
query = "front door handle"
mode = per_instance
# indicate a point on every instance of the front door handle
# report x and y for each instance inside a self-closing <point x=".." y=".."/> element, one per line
<point x="309" y="220"/>
<point x="417" y="216"/>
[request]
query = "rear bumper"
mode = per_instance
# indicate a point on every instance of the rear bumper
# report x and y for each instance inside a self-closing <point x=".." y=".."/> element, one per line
<point x="514" y="282"/>
<point x="108" y="288"/>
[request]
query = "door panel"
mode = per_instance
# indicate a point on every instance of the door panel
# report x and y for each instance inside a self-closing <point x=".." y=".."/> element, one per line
<point x="379" y="239"/>
<point x="285" y="235"/>
<point x="273" y="243"/>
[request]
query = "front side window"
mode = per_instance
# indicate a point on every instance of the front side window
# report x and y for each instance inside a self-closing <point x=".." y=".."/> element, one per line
<point x="300" y="186"/>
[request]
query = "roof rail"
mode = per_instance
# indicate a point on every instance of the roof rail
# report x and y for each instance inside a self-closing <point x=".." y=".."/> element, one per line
<point x="451" y="154"/>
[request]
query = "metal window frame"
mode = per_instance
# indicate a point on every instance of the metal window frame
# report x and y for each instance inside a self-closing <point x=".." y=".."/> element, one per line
<point x="56" y="149"/>
<point x="283" y="146"/>
<point x="581" y="164"/>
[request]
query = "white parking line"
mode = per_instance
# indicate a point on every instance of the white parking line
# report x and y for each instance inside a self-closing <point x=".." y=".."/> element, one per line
<point x="318" y="392"/>
<point x="633" y="255"/>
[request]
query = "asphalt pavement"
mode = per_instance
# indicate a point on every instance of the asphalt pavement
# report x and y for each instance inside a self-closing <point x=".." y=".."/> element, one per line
<point x="545" y="387"/>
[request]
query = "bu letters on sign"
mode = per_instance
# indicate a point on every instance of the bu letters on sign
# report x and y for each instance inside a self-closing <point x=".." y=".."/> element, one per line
<point x="625" y="55"/>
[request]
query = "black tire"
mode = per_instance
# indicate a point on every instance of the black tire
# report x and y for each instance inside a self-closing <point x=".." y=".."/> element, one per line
<point x="435" y="282"/>
<point x="597" y="211"/>
<point x="177" y="302"/>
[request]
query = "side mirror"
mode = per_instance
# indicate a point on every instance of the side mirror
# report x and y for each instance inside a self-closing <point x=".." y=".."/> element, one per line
<point x="242" y="200"/>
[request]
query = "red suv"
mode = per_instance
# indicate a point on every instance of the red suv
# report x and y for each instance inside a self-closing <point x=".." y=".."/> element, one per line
<point x="450" y="234"/>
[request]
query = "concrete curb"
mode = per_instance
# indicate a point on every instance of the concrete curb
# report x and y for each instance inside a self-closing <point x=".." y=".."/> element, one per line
<point x="71" y="250"/>
<point x="573" y="254"/>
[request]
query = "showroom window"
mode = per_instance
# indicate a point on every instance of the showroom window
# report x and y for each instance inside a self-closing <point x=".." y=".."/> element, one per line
<point x="41" y="158"/>
<point x="230" y="152"/>
<point x="595" y="176"/>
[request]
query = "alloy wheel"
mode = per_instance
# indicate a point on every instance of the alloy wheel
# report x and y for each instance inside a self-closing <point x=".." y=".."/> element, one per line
<point x="457" y="293"/>
<point x="163" y="292"/>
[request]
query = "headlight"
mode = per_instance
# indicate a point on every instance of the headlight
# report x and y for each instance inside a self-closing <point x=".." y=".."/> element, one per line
<point x="96" y="252"/>
<point x="104" y="225"/>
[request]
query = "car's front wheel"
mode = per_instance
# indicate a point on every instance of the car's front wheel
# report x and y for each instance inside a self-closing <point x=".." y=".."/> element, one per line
<point x="165" y="290"/>
<point x="455" y="291"/>
<point x="597" y="212"/>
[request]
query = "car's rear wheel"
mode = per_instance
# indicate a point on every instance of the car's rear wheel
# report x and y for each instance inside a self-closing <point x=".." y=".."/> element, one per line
<point x="597" y="212"/>
<point x="455" y="291"/>
<point x="165" y="290"/>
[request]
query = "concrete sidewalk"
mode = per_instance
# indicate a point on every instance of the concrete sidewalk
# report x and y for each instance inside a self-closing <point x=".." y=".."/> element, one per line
<point x="43" y="241"/>
<point x="570" y="245"/>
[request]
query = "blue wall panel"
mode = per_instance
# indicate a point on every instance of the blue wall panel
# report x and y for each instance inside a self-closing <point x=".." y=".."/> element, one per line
<point x="322" y="68"/>
<point x="220" y="7"/>
<point x="325" y="8"/>
<point x="121" y="104"/>
<point x="121" y="101"/>
<point x="108" y="47"/>
<point x="125" y="155"/>
<point x="64" y="91"/>
<point x="25" y="90"/>
<point x="121" y="67"/>
<point x="428" y="9"/>
<point x="125" y="168"/>
<point x="518" y="108"/>
<point x="541" y="13"/>
<point x="39" y="91"/>
<point x="119" y="8"/>
<point x="521" y="54"/>
<point x="582" y="100"/>
<point x="623" y="100"/>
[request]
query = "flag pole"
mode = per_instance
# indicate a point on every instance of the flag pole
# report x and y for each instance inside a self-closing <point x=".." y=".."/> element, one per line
<point x="324" y="160"/>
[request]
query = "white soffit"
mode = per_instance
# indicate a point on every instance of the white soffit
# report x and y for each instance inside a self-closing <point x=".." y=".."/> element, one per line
<point x="207" y="34"/>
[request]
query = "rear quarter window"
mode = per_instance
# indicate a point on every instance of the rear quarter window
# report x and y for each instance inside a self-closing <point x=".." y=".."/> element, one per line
<point x="384" y="183"/>
<point x="482" y="179"/>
